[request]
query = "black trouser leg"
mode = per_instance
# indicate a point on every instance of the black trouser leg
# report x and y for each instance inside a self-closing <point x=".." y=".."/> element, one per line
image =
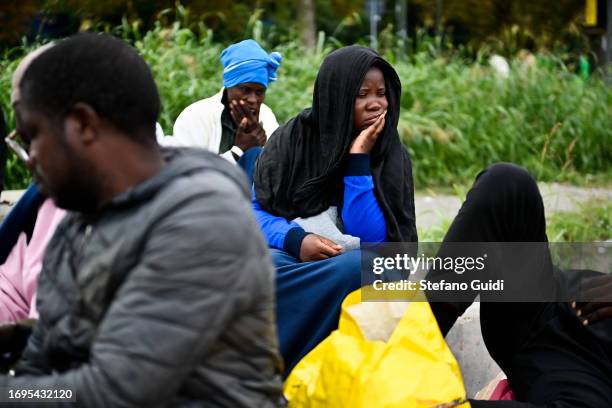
<point x="503" y="205"/>
<point x="549" y="358"/>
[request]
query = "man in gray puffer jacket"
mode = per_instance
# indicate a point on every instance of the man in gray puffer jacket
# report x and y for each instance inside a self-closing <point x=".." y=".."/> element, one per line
<point x="157" y="289"/>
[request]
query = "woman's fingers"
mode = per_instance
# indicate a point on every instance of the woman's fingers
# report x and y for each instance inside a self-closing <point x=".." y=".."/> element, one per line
<point x="326" y="249"/>
<point x="366" y="140"/>
<point x="371" y="131"/>
<point x="381" y="124"/>
<point x="327" y="241"/>
<point x="368" y="132"/>
<point x="598" y="311"/>
<point x="331" y="243"/>
<point x="315" y="247"/>
<point x="375" y="128"/>
<point x="596" y="296"/>
<point x="597" y="300"/>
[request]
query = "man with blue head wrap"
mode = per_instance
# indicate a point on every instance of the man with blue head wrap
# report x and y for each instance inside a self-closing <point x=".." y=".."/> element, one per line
<point x="235" y="122"/>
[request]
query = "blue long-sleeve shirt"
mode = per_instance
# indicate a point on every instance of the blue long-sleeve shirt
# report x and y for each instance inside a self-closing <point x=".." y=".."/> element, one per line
<point x="361" y="214"/>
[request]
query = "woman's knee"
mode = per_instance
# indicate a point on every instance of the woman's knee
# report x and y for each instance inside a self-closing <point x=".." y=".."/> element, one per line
<point x="502" y="172"/>
<point x="281" y="258"/>
<point x="349" y="269"/>
<point x="503" y="179"/>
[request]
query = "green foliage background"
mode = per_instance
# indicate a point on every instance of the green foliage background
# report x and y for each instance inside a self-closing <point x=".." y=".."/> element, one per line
<point x="457" y="116"/>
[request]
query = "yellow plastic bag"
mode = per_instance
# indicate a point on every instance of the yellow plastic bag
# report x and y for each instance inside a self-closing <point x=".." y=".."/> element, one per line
<point x="414" y="368"/>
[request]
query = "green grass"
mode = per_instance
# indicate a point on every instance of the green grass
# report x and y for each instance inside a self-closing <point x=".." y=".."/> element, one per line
<point x="591" y="222"/>
<point x="435" y="233"/>
<point x="457" y="116"/>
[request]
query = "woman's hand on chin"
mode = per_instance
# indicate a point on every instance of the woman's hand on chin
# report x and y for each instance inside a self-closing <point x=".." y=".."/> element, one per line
<point x="315" y="247"/>
<point x="366" y="140"/>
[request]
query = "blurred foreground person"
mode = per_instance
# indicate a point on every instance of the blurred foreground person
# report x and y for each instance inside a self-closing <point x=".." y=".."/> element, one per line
<point x="24" y="235"/>
<point x="156" y="289"/>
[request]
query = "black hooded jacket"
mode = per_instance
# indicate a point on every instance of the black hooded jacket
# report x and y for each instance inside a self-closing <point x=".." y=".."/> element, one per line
<point x="300" y="169"/>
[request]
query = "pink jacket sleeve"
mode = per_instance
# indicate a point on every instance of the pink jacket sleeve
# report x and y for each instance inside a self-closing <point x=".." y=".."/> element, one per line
<point x="19" y="274"/>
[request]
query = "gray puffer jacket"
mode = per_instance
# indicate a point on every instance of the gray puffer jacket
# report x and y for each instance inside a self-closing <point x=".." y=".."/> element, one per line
<point x="163" y="298"/>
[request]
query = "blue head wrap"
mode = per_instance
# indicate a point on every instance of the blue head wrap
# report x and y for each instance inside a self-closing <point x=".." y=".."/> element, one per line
<point x="246" y="61"/>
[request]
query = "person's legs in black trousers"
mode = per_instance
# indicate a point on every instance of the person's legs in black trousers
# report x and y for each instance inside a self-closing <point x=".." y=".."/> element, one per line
<point x="503" y="205"/>
<point x="549" y="358"/>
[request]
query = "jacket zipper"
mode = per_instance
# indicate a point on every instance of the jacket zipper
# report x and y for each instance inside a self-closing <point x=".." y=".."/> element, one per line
<point x="88" y="232"/>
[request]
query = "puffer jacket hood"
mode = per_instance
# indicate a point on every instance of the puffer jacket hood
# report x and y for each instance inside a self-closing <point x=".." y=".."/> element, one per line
<point x="181" y="162"/>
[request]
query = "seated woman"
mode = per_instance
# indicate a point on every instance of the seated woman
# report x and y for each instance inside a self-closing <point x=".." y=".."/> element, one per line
<point x="344" y="153"/>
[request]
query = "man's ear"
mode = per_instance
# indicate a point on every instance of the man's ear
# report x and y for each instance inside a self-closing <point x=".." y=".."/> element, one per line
<point x="82" y="123"/>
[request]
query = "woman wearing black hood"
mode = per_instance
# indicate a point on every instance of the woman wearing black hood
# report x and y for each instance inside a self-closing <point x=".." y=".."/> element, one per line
<point x="344" y="153"/>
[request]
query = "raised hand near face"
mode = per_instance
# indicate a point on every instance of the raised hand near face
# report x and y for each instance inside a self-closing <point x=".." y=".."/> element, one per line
<point x="250" y="132"/>
<point x="367" y="138"/>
